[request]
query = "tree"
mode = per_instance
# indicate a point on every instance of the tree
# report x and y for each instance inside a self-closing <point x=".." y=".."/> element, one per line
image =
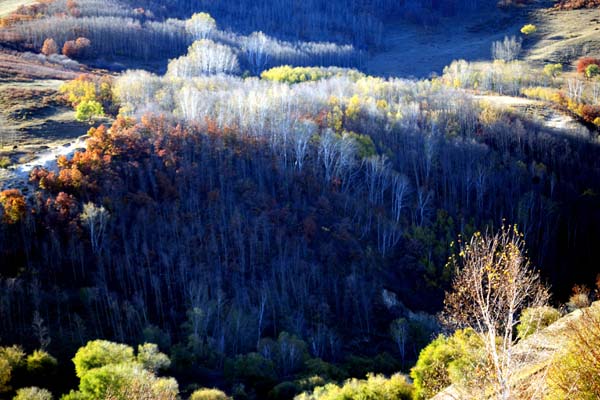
<point x="49" y="47"/>
<point x="494" y="283"/>
<point x="99" y="353"/>
<point x="13" y="206"/>
<point x="507" y="49"/>
<point x="95" y="219"/>
<point x="87" y="110"/>
<point x="201" y="26"/>
<point x="110" y="371"/>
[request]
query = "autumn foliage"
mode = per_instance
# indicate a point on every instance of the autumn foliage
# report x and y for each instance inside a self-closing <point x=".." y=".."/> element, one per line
<point x="13" y="206"/>
<point x="584" y="62"/>
<point x="50" y="47"/>
<point x="576" y="4"/>
<point x="76" y="48"/>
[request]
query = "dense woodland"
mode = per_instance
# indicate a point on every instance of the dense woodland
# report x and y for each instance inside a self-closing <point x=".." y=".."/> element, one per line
<point x="267" y="225"/>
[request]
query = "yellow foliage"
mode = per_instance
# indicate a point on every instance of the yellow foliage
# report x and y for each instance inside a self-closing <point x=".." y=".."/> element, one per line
<point x="353" y="108"/>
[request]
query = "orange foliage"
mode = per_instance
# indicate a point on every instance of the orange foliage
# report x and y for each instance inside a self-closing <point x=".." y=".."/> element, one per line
<point x="589" y="113"/>
<point x="76" y="48"/>
<point x="584" y="62"/>
<point x="49" y="47"/>
<point x="13" y="205"/>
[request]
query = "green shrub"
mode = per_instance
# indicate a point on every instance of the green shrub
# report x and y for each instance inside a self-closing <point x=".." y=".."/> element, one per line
<point x="209" y="394"/>
<point x="151" y="358"/>
<point x="592" y="70"/>
<point x="41" y="363"/>
<point x="375" y="387"/>
<point x="553" y="70"/>
<point x="253" y="370"/>
<point x="5" y="162"/>
<point x="284" y="391"/>
<point x="444" y="361"/>
<point x="12" y="359"/>
<point x="33" y="393"/>
<point x="317" y="367"/>
<point x="534" y="319"/>
<point x="98" y="353"/>
<point x="127" y="381"/>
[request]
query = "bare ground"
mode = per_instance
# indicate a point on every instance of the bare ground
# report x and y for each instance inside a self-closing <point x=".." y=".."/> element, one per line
<point x="415" y="51"/>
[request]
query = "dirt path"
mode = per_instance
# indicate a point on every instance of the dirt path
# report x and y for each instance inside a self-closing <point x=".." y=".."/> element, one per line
<point x="540" y="111"/>
<point x="18" y="176"/>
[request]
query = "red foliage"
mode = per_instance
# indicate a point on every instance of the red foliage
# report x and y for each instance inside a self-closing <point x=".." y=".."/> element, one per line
<point x="584" y="62"/>
<point x="589" y="113"/>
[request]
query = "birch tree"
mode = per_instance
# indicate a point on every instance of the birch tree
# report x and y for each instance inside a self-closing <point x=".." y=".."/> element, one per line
<point x="494" y="283"/>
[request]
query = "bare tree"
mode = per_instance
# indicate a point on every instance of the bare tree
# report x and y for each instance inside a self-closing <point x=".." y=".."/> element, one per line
<point x="95" y="218"/>
<point x="507" y="49"/>
<point x="201" y="26"/>
<point x="493" y="284"/>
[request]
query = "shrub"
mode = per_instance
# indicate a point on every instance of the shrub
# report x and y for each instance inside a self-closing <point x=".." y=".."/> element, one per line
<point x="541" y="93"/>
<point x="41" y="363"/>
<point x="580" y="298"/>
<point x="251" y="369"/>
<point x="33" y="393"/>
<point x="553" y="70"/>
<point x="285" y="390"/>
<point x="5" y="162"/>
<point x="573" y="373"/>
<point x="584" y="62"/>
<point x="126" y="381"/>
<point x="534" y="319"/>
<point x="528" y="29"/>
<point x="446" y="360"/>
<point x="209" y="394"/>
<point x="151" y="358"/>
<point x="592" y="71"/>
<point x="374" y="387"/>
<point x="99" y="353"/>
<point x="289" y="74"/>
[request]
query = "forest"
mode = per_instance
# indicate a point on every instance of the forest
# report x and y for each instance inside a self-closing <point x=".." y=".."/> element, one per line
<point x="259" y="218"/>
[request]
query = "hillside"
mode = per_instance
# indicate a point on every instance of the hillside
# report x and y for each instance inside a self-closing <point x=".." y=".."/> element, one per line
<point x="194" y="195"/>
